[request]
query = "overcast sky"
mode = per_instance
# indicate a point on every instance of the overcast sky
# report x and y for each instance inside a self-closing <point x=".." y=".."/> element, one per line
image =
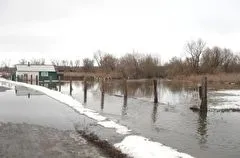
<point x="70" y="29"/>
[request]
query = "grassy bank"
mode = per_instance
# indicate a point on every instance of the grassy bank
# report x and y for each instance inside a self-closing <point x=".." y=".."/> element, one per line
<point x="216" y="81"/>
<point x="224" y="78"/>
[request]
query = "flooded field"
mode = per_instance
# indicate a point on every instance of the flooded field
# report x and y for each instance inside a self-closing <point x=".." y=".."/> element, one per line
<point x="28" y="106"/>
<point x="35" y="125"/>
<point x="171" y="122"/>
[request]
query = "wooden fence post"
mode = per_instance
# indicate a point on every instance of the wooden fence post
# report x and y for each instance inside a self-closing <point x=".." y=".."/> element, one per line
<point x="59" y="83"/>
<point x="85" y="89"/>
<point x="31" y="78"/>
<point x="102" y="93"/>
<point x="71" y="86"/>
<point x="36" y="79"/>
<point x="203" y="106"/>
<point x="26" y="79"/>
<point x="155" y="91"/>
<point x="125" y="95"/>
<point x="200" y="91"/>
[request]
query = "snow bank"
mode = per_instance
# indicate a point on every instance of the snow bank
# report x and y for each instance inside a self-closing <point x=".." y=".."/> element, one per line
<point x="140" y="147"/>
<point x="119" y="128"/>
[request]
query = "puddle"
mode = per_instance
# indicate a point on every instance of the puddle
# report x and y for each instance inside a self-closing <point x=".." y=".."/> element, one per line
<point x="29" y="106"/>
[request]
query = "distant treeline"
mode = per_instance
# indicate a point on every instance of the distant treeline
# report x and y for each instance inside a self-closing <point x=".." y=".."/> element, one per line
<point x="199" y="59"/>
<point x="203" y="60"/>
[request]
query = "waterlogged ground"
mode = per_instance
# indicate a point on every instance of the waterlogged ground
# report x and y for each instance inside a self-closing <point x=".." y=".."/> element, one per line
<point x="34" y="125"/>
<point x="171" y="122"/>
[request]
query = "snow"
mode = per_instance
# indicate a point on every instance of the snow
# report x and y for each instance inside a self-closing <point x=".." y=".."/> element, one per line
<point x="226" y="107"/>
<point x="230" y="92"/>
<point x="119" y="128"/>
<point x="140" y="147"/>
<point x="228" y="100"/>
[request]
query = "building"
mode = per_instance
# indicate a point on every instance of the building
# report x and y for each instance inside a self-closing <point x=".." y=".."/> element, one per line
<point x="41" y="73"/>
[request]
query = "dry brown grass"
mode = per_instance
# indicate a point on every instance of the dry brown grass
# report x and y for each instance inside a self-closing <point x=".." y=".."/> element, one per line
<point x="106" y="147"/>
<point x="113" y="75"/>
<point x="224" y="78"/>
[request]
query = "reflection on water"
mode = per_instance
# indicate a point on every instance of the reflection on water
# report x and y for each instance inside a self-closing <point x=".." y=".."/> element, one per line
<point x="154" y="114"/>
<point x="170" y="122"/>
<point x="124" y="110"/>
<point x="24" y="91"/>
<point x="52" y="85"/>
<point x="202" y="127"/>
<point x="3" y="89"/>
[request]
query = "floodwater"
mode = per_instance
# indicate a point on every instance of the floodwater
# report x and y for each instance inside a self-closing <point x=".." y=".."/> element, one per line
<point x="35" y="125"/>
<point x="28" y="106"/>
<point x="171" y="122"/>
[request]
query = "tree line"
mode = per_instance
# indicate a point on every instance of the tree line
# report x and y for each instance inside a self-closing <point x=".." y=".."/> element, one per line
<point x="199" y="59"/>
<point x="203" y="60"/>
<point x="131" y="65"/>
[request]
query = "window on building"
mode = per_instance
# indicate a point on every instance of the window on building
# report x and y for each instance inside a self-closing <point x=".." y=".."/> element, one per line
<point x="44" y="74"/>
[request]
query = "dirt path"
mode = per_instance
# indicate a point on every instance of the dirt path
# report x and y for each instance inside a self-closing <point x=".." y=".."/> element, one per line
<point x="30" y="141"/>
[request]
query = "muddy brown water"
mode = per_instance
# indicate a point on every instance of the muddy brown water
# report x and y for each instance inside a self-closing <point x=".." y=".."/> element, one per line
<point x="171" y="122"/>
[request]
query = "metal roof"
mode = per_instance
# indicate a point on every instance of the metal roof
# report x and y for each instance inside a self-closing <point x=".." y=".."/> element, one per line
<point x="35" y="68"/>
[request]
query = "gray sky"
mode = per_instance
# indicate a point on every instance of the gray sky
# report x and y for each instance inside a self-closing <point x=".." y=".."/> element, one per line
<point x="76" y="28"/>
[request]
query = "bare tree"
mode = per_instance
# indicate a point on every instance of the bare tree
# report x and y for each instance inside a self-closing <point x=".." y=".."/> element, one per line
<point x="174" y="66"/>
<point x="22" y="61"/>
<point x="64" y="63"/>
<point x="88" y="64"/>
<point x="230" y="61"/>
<point x="195" y="50"/>
<point x="71" y="63"/>
<point x="107" y="62"/>
<point x="217" y="60"/>
<point x="77" y="63"/>
<point x="212" y="60"/>
<point x="6" y="63"/>
<point x="98" y="57"/>
<point x="149" y="66"/>
<point x="55" y="62"/>
<point x="128" y="65"/>
<point x="40" y="61"/>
